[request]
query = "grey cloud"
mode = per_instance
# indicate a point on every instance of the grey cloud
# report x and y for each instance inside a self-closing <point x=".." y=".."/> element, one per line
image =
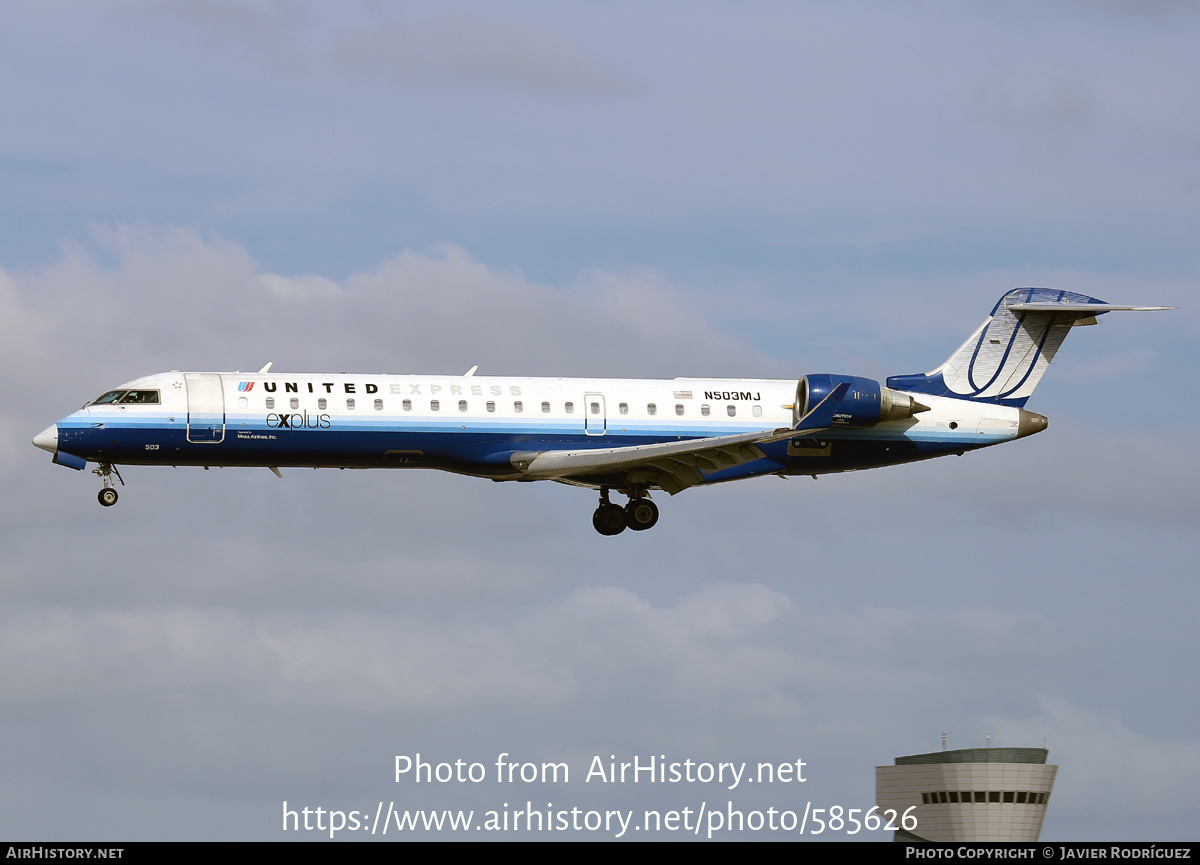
<point x="1141" y="7"/>
<point x="456" y="50"/>
<point x="1148" y="479"/>
<point x="742" y="644"/>
<point x="291" y="694"/>
<point x="475" y="52"/>
<point x="266" y="33"/>
<point x="1038" y="101"/>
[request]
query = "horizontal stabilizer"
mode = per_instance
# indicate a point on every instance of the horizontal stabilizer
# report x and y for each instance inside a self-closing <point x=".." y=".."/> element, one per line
<point x="1086" y="308"/>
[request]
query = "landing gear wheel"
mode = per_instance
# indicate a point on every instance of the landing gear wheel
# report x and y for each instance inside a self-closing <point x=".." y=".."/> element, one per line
<point x="609" y="519"/>
<point x="641" y="514"/>
<point x="108" y="495"/>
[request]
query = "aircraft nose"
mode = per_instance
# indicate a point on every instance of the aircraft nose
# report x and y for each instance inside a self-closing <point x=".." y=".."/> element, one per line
<point x="47" y="439"/>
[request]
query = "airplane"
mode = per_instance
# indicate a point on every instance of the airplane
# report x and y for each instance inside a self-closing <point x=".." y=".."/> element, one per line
<point x="629" y="436"/>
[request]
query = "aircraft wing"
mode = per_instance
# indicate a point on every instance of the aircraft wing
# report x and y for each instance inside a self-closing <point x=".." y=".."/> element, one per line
<point x="673" y="466"/>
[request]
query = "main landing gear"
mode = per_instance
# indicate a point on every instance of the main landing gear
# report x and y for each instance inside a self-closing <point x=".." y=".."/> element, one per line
<point x="640" y="514"/>
<point x="108" y="495"/>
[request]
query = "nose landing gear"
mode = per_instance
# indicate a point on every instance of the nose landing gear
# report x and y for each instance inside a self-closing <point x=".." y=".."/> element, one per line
<point x="640" y="514"/>
<point x="108" y="495"/>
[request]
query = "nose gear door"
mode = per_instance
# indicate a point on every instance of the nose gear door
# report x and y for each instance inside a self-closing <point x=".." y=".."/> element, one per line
<point x="206" y="408"/>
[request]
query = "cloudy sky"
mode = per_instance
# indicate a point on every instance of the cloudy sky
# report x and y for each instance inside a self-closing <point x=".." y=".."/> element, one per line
<point x="619" y="189"/>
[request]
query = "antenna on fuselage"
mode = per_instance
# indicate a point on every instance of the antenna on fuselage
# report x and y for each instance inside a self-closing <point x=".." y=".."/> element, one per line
<point x="471" y="371"/>
<point x="267" y="367"/>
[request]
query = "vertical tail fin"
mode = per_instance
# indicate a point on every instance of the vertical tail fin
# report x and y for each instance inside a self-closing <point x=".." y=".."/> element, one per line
<point x="1003" y="361"/>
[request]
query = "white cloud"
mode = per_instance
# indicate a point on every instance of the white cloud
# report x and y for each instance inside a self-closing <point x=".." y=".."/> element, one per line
<point x="177" y="299"/>
<point x="1107" y="768"/>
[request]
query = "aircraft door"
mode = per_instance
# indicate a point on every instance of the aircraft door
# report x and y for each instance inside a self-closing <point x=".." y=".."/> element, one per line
<point x="594" y="415"/>
<point x="206" y="408"/>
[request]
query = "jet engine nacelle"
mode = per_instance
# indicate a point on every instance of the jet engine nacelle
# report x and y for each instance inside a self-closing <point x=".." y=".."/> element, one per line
<point x="865" y="404"/>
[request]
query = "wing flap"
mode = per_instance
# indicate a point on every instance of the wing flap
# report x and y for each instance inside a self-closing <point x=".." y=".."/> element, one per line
<point x="722" y="451"/>
<point x="672" y="466"/>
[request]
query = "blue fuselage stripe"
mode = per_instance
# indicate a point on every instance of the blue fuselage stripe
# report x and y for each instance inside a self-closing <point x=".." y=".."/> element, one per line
<point x="467" y="444"/>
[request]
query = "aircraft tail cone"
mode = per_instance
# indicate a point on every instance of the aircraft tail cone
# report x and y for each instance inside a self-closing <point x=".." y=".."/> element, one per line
<point x="1030" y="423"/>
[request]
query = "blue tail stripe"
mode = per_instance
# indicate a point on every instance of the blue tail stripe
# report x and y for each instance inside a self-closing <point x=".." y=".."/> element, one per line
<point x="1003" y="361"/>
<point x="1037" y="355"/>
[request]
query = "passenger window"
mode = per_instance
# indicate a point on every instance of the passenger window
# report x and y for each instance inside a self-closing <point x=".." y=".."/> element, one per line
<point x="270" y="402"/>
<point x="462" y="405"/>
<point x="732" y="409"/>
<point x="705" y="410"/>
<point x="243" y="402"/>
<point x="758" y="411"/>
<point x="322" y="404"/>
<point x="434" y="405"/>
<point x="407" y="405"/>
<point x="679" y="409"/>
<point x="518" y="406"/>
<point x="594" y="408"/>
<point x="295" y="402"/>
<point x="545" y="408"/>
<point x="491" y="406"/>
<point x="378" y="405"/>
<point x="651" y="409"/>
<point x="350" y="404"/>
<point x="624" y="407"/>
<point x="570" y="407"/>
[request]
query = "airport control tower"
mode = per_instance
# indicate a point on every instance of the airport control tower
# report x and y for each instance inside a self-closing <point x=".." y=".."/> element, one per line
<point x="972" y="794"/>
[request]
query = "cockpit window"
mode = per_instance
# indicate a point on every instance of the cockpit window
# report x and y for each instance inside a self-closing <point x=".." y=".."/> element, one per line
<point x="145" y="397"/>
<point x="110" y="397"/>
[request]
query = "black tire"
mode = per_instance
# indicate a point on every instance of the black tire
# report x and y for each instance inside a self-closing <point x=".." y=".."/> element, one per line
<point x="641" y="514"/>
<point x="609" y="519"/>
<point x="107" y="497"/>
